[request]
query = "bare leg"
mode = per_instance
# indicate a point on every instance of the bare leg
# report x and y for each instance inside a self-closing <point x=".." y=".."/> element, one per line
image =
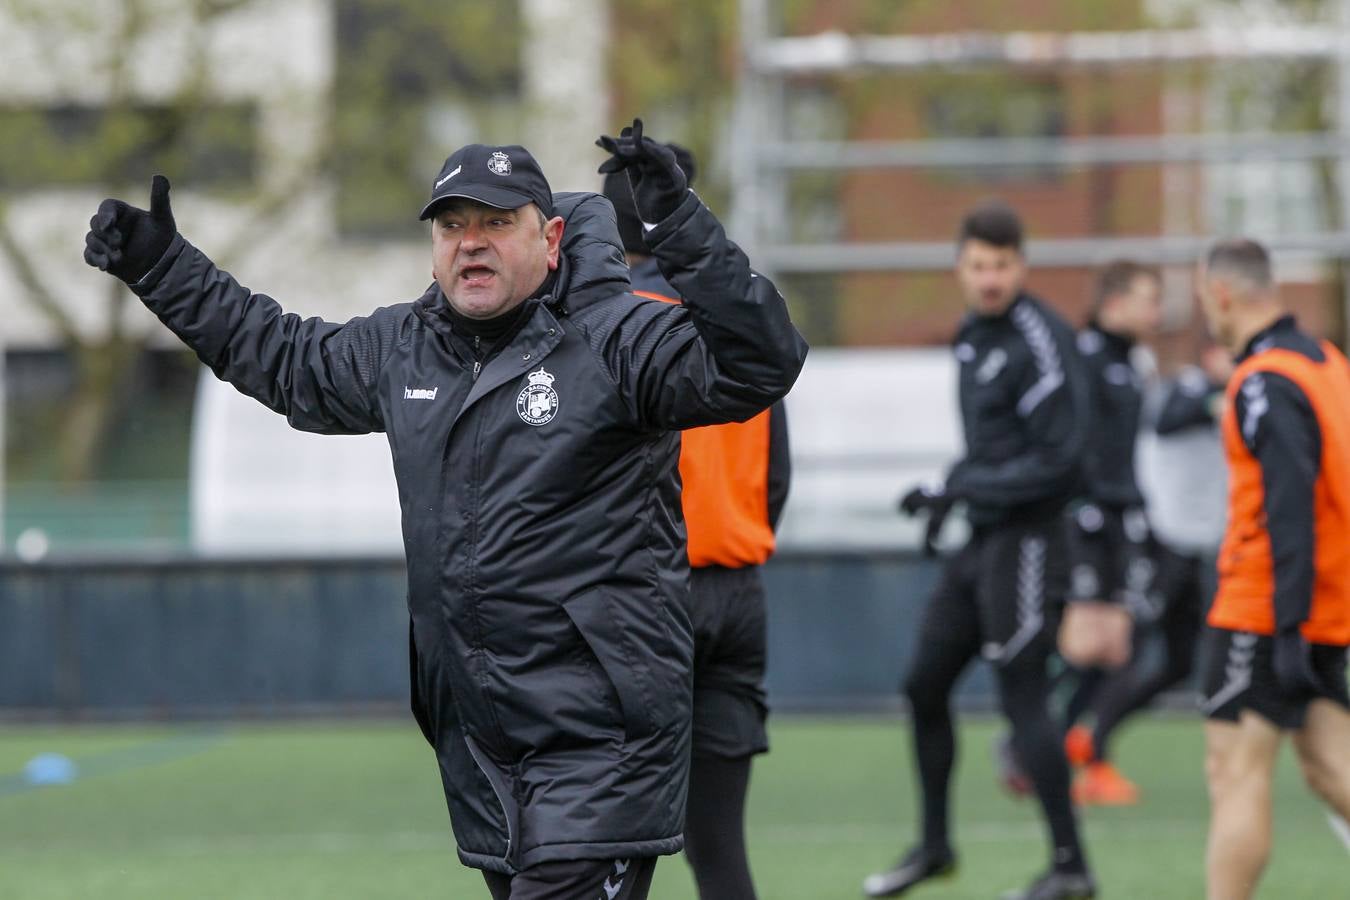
<point x="1239" y="763"/>
<point x="1322" y="746"/>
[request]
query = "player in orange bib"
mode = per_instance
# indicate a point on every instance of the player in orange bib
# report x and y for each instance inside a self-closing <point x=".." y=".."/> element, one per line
<point x="1280" y="623"/>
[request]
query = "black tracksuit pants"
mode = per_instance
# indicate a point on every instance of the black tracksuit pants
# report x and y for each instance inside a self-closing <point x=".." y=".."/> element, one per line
<point x="1000" y="597"/>
<point x="1164" y="649"/>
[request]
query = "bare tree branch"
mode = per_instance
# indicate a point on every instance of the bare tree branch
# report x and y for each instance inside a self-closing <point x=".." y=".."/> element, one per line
<point x="41" y="297"/>
<point x="266" y="212"/>
<point x="211" y="9"/>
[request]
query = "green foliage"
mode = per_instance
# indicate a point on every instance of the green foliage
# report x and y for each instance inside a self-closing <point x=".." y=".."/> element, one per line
<point x="399" y="60"/>
<point x="69" y="145"/>
<point x="672" y="62"/>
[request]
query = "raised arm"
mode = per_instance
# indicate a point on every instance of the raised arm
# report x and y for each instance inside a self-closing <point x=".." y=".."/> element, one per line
<point x="731" y="350"/>
<point x="320" y="375"/>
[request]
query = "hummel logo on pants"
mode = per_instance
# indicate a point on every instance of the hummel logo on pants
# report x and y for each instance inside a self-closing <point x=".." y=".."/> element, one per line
<point x="613" y="886"/>
<point x="587" y="879"/>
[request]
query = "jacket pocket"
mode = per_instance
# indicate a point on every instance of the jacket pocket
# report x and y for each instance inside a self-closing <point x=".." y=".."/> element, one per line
<point x="599" y="620"/>
<point x="506" y="798"/>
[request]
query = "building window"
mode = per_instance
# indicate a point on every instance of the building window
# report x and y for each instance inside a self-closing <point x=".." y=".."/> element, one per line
<point x="1266" y="196"/>
<point x="983" y="107"/>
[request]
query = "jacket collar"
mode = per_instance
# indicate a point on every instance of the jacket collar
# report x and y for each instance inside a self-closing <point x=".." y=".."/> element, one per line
<point x="595" y="268"/>
<point x="1266" y="337"/>
<point x="973" y="321"/>
<point x="1118" y="344"/>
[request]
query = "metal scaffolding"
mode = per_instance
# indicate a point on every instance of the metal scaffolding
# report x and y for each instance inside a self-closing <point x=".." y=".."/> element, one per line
<point x="764" y="157"/>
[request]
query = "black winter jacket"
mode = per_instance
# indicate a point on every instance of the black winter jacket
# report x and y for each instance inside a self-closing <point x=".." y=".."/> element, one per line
<point x="1024" y="408"/>
<point x="646" y="276"/>
<point x="551" y="646"/>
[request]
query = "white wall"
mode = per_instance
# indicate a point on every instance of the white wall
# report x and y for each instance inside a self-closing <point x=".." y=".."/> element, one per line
<point x="260" y="487"/>
<point x="865" y="426"/>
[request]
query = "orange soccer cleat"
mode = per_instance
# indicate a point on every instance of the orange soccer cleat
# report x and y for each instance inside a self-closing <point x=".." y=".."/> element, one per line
<point x="1101" y="784"/>
<point x="1078" y="746"/>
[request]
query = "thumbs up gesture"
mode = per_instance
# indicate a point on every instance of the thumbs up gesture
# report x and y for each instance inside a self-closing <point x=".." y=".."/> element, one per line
<point x="126" y="241"/>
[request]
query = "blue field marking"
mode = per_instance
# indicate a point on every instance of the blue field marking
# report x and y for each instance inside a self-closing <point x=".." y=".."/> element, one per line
<point x="112" y="762"/>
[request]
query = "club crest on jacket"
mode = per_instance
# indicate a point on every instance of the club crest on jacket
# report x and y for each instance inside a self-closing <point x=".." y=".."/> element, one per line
<point x="537" y="404"/>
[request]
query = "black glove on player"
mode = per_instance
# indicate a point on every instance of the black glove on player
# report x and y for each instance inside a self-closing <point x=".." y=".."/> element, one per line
<point x="658" y="182"/>
<point x="126" y="241"/>
<point x="938" y="504"/>
<point x="1292" y="661"/>
<point x="920" y="499"/>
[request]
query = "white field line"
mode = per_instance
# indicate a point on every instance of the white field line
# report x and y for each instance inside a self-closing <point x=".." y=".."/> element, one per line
<point x="1339" y="828"/>
<point x="332" y="843"/>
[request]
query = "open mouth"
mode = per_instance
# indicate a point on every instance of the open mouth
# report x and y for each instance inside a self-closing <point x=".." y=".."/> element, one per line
<point x="475" y="274"/>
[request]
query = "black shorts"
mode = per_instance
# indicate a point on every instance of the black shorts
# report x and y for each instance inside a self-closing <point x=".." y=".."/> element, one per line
<point x="1003" y="591"/>
<point x="622" y="879"/>
<point x="726" y="607"/>
<point x="1113" y="559"/>
<point x="1238" y="674"/>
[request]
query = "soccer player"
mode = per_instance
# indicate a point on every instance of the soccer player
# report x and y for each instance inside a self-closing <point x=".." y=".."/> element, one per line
<point x="1182" y="475"/>
<point x="1280" y="622"/>
<point x="1113" y="569"/>
<point x="531" y="404"/>
<point x="1024" y="411"/>
<point x="735" y="482"/>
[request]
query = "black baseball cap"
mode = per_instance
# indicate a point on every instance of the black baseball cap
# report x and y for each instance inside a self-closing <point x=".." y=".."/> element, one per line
<point x="505" y="177"/>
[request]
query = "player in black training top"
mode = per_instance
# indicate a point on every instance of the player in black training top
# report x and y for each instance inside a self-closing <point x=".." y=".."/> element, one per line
<point x="1114" y="566"/>
<point x="1024" y="410"/>
<point x="1186" y="488"/>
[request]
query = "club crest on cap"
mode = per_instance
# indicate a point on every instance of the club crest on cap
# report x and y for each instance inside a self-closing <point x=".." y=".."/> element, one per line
<point x="499" y="163"/>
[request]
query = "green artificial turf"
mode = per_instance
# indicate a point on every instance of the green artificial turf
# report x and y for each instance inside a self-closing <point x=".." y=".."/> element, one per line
<point x="355" y="810"/>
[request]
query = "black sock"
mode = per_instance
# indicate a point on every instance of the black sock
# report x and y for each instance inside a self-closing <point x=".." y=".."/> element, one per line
<point x="714" y="831"/>
<point x="1023" y="690"/>
<point x="934" y="753"/>
<point x="1086" y="689"/>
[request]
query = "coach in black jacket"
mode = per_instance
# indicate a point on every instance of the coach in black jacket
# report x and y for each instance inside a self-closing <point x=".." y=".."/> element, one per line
<point x="530" y="402"/>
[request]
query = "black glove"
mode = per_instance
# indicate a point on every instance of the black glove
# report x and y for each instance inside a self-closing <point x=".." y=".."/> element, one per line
<point x="1292" y="662"/>
<point x="938" y="504"/>
<point x="126" y="241"/>
<point x="657" y="181"/>
<point x="922" y="499"/>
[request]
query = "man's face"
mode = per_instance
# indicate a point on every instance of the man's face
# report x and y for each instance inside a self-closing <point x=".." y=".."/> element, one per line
<point x="1139" y="309"/>
<point x="990" y="276"/>
<point x="488" y="260"/>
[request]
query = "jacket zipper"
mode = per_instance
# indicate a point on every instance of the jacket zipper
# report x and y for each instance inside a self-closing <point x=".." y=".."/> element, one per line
<point x="477" y="356"/>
